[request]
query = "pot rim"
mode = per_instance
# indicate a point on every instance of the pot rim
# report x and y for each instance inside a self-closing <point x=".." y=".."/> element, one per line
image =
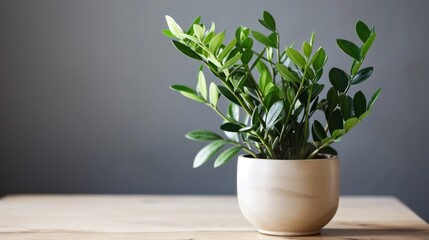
<point x="329" y="157"/>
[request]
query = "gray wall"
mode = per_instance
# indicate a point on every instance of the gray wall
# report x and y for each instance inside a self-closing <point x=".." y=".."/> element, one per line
<point x="85" y="105"/>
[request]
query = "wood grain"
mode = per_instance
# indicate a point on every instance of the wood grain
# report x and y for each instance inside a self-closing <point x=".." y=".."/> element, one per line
<point x="186" y="217"/>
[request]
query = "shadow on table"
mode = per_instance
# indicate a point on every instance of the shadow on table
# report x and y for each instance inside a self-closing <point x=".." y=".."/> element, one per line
<point x="421" y="232"/>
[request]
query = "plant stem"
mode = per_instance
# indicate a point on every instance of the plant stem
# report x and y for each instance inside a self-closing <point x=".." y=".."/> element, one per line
<point x="271" y="153"/>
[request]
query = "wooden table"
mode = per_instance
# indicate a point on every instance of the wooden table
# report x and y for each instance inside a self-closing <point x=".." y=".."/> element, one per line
<point x="186" y="217"/>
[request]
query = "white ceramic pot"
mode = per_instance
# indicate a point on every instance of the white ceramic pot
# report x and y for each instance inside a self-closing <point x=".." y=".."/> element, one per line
<point x="288" y="197"/>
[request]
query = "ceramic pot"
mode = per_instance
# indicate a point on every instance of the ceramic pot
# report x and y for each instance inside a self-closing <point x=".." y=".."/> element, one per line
<point x="288" y="197"/>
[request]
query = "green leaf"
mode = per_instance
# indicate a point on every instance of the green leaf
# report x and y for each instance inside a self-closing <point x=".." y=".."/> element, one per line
<point x="214" y="94"/>
<point x="246" y="56"/>
<point x="312" y="39"/>
<point x="317" y="89"/>
<point x="263" y="23"/>
<point x="319" y="130"/>
<point x="338" y="79"/>
<point x="182" y="88"/>
<point x="186" y="50"/>
<point x="332" y="97"/>
<point x="230" y="127"/>
<point x="225" y="156"/>
<point x="226" y="50"/>
<point x="349" y="48"/>
<point x="364" y="115"/>
<point x="187" y="92"/>
<point x="198" y="31"/>
<point x="207" y="152"/>
<point x="231" y="62"/>
<point x="269" y="20"/>
<point x="335" y="121"/>
<point x="346" y="105"/>
<point x="175" y="29"/>
<point x="290" y="95"/>
<point x="367" y="45"/>
<point x="264" y="80"/>
<point x="338" y="133"/>
<point x="226" y="93"/>
<point x="202" y="84"/>
<point x="263" y="39"/>
<point x="355" y="67"/>
<point x="273" y="38"/>
<point x="359" y="103"/>
<point x="362" y="75"/>
<point x="274" y="113"/>
<point x="374" y="98"/>
<point x="319" y="59"/>
<point x="193" y="97"/>
<point x="287" y="74"/>
<point x="306" y="49"/>
<point x="271" y="98"/>
<point x="191" y="27"/>
<point x="362" y="31"/>
<point x="247" y="43"/>
<point x="216" y="42"/>
<point x="233" y="111"/>
<point x="350" y="123"/>
<point x="296" y="57"/>
<point x="202" y="135"/>
<point x="167" y="33"/>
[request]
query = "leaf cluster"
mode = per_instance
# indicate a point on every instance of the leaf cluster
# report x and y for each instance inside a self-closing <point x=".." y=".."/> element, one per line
<point x="273" y="94"/>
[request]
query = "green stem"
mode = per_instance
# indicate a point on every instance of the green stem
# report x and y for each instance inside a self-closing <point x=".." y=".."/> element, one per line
<point x="266" y="145"/>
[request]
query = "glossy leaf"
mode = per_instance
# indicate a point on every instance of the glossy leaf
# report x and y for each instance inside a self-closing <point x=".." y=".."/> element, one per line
<point x="174" y="28"/>
<point x="335" y="121"/>
<point x="246" y="56"/>
<point x="273" y="114"/>
<point x="202" y="135"/>
<point x="359" y="104"/>
<point x="214" y="94"/>
<point x="186" y="50"/>
<point x="296" y="57"/>
<point x="349" y="48"/>
<point x="269" y="20"/>
<point x="225" y="156"/>
<point x="264" y="80"/>
<point x="332" y="97"/>
<point x="318" y="59"/>
<point x="247" y="43"/>
<point x="362" y="31"/>
<point x="226" y="50"/>
<point x="231" y="62"/>
<point x="287" y="74"/>
<point x="362" y="75"/>
<point x="233" y="111"/>
<point x="216" y="42"/>
<point x="198" y="31"/>
<point x="350" y="123"/>
<point x="263" y="39"/>
<point x="319" y="130"/>
<point x="306" y="49"/>
<point x="338" y="79"/>
<point x="367" y="45"/>
<point x="202" y="84"/>
<point x="167" y="33"/>
<point x="207" y="152"/>
<point x="226" y="93"/>
<point x="346" y="105"/>
<point x="374" y="98"/>
<point x="230" y="127"/>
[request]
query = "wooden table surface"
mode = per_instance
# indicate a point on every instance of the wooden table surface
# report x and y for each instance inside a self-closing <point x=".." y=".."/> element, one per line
<point x="186" y="217"/>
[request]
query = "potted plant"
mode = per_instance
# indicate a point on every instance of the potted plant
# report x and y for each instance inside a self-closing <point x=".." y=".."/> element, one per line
<point x="288" y="181"/>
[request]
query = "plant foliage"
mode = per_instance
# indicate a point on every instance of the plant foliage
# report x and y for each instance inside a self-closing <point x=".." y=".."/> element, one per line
<point x="278" y="90"/>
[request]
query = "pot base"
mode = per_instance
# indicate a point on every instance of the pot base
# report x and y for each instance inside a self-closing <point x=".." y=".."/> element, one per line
<point x="290" y="234"/>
